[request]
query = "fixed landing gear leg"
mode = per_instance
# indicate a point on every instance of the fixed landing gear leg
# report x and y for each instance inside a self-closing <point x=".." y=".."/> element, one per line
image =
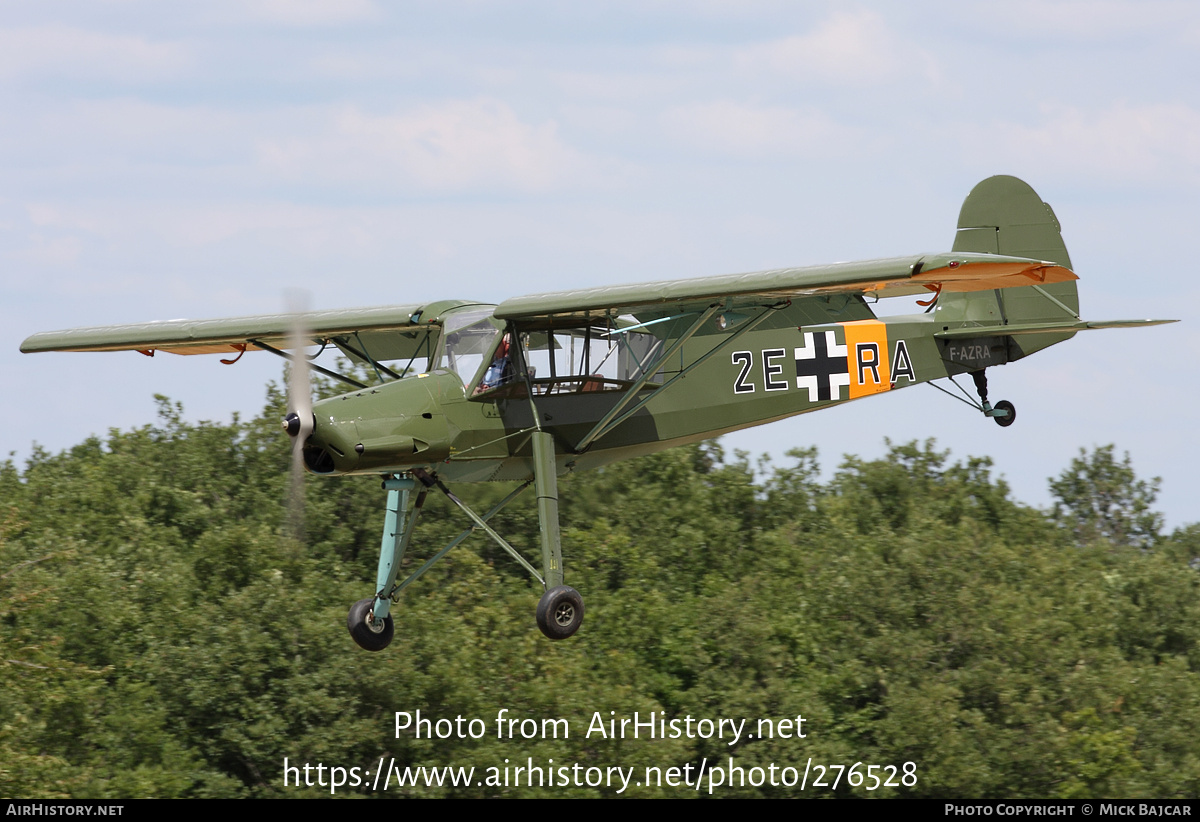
<point x="1004" y="413"/>
<point x="560" y="610"/>
<point x="369" y="622"/>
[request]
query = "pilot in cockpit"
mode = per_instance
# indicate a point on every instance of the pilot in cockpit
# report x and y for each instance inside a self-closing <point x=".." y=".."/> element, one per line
<point x="499" y="371"/>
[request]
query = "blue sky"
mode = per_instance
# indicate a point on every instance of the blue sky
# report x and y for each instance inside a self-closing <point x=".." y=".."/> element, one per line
<point x="169" y="160"/>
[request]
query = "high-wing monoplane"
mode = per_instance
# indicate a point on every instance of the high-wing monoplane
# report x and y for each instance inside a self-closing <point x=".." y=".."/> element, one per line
<point x="546" y="384"/>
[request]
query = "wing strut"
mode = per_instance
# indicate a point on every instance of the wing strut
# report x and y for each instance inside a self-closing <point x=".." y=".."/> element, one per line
<point x="292" y="358"/>
<point x="361" y="351"/>
<point x="602" y="426"/>
<point x="745" y="328"/>
<point x="611" y="420"/>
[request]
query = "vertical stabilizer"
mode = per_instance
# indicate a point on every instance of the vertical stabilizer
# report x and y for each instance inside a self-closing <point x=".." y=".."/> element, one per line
<point x="1003" y="215"/>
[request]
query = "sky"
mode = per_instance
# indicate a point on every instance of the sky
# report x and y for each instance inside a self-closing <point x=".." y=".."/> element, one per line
<point x="160" y="161"/>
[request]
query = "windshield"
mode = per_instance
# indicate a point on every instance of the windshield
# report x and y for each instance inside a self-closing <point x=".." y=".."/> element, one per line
<point x="469" y="336"/>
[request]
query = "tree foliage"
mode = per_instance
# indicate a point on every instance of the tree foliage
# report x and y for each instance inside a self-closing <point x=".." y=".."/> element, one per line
<point x="160" y="636"/>
<point x="1100" y="498"/>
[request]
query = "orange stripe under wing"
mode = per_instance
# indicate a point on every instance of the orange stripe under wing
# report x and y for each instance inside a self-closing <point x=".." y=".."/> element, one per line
<point x="867" y="357"/>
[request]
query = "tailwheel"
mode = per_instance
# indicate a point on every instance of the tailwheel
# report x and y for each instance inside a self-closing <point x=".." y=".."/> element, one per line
<point x="369" y="634"/>
<point x="1006" y="419"/>
<point x="1004" y="413"/>
<point x="560" y="612"/>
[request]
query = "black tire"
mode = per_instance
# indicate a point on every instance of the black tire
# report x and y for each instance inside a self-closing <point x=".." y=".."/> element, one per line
<point x="1009" y="418"/>
<point x="364" y="635"/>
<point x="560" y="612"/>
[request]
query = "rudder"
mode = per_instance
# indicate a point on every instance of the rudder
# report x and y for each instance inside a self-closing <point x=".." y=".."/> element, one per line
<point x="1004" y="215"/>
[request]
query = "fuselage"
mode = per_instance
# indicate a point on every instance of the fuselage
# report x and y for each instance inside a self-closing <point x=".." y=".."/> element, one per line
<point x="457" y="416"/>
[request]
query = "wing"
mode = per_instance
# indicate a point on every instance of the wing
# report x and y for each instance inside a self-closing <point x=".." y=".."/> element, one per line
<point x="891" y="277"/>
<point x="238" y="333"/>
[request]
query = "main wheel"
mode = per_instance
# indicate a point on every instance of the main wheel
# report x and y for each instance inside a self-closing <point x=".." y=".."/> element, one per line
<point x="369" y="635"/>
<point x="1009" y="418"/>
<point x="560" y="612"/>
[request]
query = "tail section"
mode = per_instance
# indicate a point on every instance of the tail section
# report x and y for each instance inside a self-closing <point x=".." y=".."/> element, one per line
<point x="1003" y="215"/>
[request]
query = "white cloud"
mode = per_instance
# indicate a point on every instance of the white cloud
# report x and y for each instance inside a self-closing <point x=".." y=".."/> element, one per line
<point x="848" y="48"/>
<point x="313" y="12"/>
<point x="626" y="88"/>
<point x="451" y="146"/>
<point x="1149" y="143"/>
<point x="759" y="132"/>
<point x="456" y="146"/>
<point x="125" y="144"/>
<point x="41" y="214"/>
<point x="1084" y="20"/>
<point x="50" y="252"/>
<point x="73" y="52"/>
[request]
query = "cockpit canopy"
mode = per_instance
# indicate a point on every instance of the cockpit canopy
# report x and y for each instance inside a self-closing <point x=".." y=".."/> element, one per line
<point x="576" y="356"/>
<point x="581" y="358"/>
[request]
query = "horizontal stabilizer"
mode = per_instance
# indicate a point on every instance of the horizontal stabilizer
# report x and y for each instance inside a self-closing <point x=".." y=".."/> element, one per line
<point x="1017" y="329"/>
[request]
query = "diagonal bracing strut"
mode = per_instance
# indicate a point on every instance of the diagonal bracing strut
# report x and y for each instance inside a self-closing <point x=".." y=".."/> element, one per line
<point x="480" y="522"/>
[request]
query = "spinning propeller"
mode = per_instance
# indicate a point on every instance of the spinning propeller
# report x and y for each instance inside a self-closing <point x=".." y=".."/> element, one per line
<point x="299" y="422"/>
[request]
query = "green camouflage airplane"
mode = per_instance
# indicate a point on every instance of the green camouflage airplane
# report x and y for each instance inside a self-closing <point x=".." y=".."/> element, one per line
<point x="542" y="385"/>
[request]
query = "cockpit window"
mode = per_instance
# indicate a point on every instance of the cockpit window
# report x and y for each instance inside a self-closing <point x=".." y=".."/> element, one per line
<point x="568" y="360"/>
<point x="469" y="336"/>
<point x="582" y="360"/>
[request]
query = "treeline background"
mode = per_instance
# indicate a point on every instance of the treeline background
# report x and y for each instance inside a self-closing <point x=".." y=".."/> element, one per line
<point x="161" y="635"/>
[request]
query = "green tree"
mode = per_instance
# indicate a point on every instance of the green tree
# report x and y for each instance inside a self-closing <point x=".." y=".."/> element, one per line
<point x="159" y="636"/>
<point x="1101" y="498"/>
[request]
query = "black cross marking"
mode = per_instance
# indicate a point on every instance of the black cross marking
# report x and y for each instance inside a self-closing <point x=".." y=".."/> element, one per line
<point x="823" y="365"/>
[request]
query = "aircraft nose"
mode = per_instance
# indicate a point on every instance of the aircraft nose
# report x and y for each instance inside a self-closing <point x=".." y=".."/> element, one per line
<point x="383" y="428"/>
<point x="328" y="444"/>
